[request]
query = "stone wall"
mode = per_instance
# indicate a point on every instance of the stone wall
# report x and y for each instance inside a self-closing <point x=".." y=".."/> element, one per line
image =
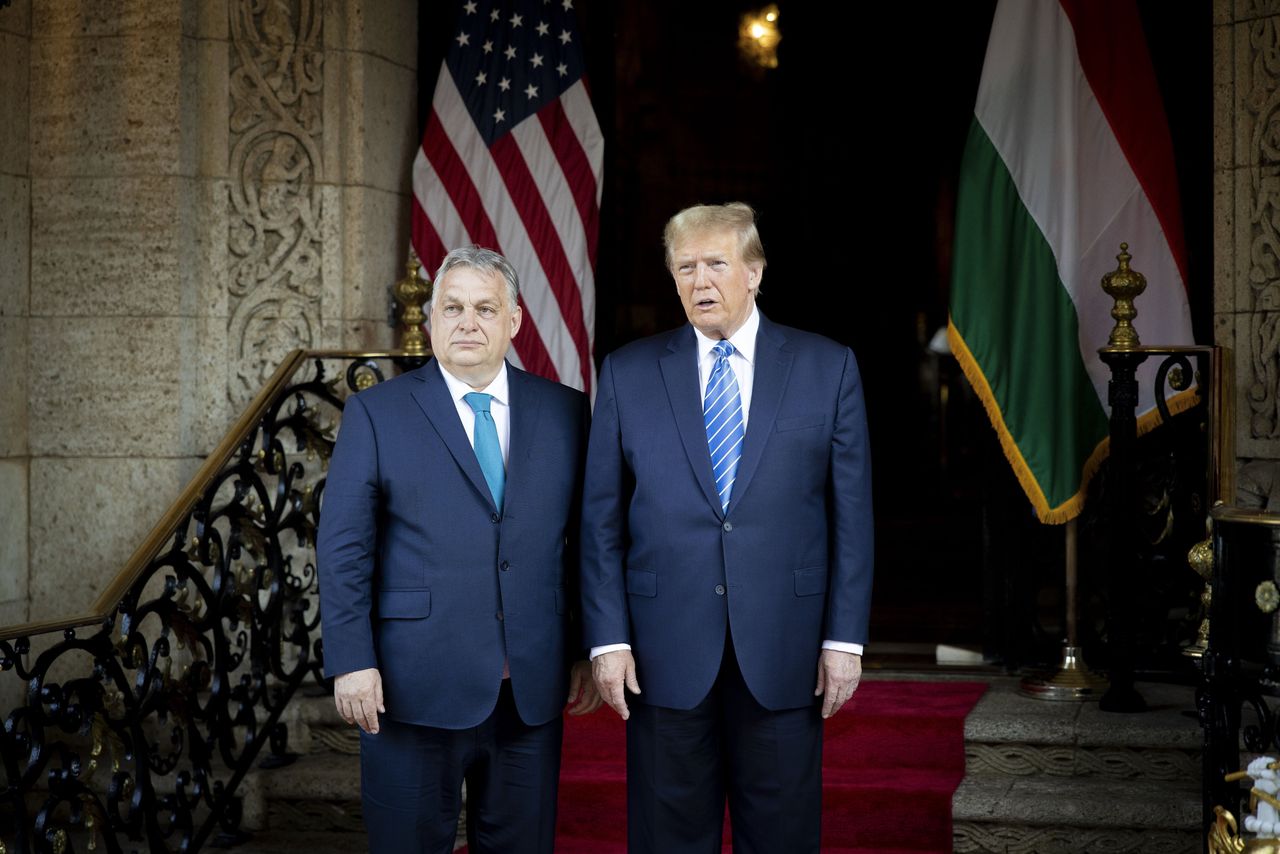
<point x="1247" y="225"/>
<point x="188" y="190"/>
<point x="15" y="306"/>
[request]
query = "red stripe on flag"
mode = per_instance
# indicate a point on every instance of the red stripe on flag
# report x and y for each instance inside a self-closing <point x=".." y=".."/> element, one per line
<point x="577" y="170"/>
<point x="426" y="242"/>
<point x="546" y="243"/>
<point x="1114" y="57"/>
<point x="456" y="182"/>
<point x="532" y="350"/>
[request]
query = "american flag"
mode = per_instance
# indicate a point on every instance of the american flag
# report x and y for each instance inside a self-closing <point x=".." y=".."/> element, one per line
<point x="511" y="160"/>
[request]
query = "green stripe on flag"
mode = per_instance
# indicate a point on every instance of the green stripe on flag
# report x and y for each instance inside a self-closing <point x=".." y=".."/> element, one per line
<point x="1020" y="329"/>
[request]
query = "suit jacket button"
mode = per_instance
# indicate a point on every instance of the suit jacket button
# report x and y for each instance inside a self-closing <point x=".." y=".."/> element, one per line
<point x="719" y="589"/>
<point x="504" y="566"/>
<point x="495" y="518"/>
<point x="499" y="616"/>
<point x="728" y="526"/>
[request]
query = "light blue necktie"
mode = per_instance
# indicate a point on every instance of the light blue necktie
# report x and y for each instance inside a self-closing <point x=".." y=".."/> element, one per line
<point x="488" y="451"/>
<point x="722" y="415"/>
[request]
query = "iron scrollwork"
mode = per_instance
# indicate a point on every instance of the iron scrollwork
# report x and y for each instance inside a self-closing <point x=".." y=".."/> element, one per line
<point x="1152" y="498"/>
<point x="1175" y="372"/>
<point x="135" y="734"/>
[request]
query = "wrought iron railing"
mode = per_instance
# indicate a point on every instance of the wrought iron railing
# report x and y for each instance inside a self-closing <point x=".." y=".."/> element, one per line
<point x="1156" y="496"/>
<point x="140" y="718"/>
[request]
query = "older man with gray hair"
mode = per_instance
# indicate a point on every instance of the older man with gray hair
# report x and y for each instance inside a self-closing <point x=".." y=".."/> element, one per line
<point x="448" y="578"/>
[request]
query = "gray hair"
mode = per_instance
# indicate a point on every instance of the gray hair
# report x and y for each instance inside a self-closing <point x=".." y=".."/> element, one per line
<point x="484" y="260"/>
<point x="737" y="217"/>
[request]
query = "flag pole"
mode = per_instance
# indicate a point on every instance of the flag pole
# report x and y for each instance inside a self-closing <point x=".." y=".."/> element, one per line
<point x="1073" y="681"/>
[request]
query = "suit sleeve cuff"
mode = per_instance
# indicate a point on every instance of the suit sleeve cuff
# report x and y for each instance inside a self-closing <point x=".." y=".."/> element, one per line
<point x="838" y="646"/>
<point x="610" y="647"/>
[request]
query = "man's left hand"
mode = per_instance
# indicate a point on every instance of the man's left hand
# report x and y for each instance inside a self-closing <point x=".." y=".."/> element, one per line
<point x="838" y="677"/>
<point x="582" y="688"/>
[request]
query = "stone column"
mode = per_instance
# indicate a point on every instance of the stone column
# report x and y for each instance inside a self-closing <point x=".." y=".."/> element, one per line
<point x="373" y="87"/>
<point x="15" y="306"/>
<point x="1247" y="226"/>
<point x="209" y="187"/>
<point x="117" y="290"/>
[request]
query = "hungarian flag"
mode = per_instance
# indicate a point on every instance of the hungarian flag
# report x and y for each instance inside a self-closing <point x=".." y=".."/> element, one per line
<point x="1068" y="156"/>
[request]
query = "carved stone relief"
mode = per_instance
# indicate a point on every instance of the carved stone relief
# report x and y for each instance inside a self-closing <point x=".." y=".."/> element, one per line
<point x="275" y="123"/>
<point x="1261" y="99"/>
<point x="1246" y="9"/>
<point x="971" y="836"/>
<point x="1031" y="760"/>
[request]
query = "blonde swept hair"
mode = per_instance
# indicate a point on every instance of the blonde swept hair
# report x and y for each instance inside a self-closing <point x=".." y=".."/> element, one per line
<point x="737" y="217"/>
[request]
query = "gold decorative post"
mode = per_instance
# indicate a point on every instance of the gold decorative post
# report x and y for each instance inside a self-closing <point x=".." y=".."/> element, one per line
<point x="1200" y="559"/>
<point x="412" y="293"/>
<point x="1124" y="285"/>
<point x="1073" y="681"/>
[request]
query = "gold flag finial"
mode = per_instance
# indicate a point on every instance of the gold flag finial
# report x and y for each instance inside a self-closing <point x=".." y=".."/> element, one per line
<point x="412" y="293"/>
<point x="1124" y="284"/>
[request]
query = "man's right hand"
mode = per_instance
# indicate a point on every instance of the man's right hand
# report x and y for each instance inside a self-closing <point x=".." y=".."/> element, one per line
<point x="612" y="672"/>
<point x="358" y="696"/>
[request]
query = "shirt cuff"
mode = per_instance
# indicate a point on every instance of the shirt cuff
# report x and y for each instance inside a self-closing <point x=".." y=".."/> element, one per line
<point x="611" y="647"/>
<point x="839" y="646"/>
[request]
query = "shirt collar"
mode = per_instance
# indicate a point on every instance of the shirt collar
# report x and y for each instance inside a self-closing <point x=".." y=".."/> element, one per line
<point x="497" y="388"/>
<point x="743" y="341"/>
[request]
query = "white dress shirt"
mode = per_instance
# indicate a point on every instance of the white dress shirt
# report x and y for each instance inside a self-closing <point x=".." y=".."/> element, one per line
<point x="742" y="362"/>
<point x="499" y="407"/>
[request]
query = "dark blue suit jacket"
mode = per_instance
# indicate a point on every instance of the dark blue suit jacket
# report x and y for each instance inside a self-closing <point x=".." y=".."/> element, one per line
<point x="788" y="566"/>
<point x="421" y="577"/>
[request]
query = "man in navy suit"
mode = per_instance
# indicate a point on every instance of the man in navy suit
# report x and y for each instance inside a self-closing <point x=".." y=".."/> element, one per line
<point x="447" y="569"/>
<point x="726" y="552"/>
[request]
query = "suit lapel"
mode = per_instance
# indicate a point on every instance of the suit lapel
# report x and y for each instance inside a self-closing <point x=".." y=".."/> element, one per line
<point x="680" y="373"/>
<point x="524" y="427"/>
<point x="432" y="395"/>
<point x="772" y="368"/>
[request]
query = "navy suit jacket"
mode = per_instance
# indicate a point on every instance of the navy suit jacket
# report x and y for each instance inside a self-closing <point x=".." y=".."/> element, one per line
<point x="789" y="564"/>
<point x="423" y="578"/>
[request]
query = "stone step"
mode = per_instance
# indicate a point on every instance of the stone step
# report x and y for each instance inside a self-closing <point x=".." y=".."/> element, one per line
<point x="1117" y="763"/>
<point x="1008" y="735"/>
<point x="314" y="725"/>
<point x="318" y="792"/>
<point x="287" y="842"/>
<point x="1066" y="815"/>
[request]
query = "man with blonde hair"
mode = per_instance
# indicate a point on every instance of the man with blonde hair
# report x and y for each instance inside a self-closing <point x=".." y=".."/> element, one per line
<point x="727" y="553"/>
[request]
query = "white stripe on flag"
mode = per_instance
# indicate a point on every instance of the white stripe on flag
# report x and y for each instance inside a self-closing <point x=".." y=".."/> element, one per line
<point x="539" y="299"/>
<point x="1041" y="115"/>
<point x="577" y="108"/>
<point x="557" y="196"/>
<point x="582" y="118"/>
<point x="438" y="207"/>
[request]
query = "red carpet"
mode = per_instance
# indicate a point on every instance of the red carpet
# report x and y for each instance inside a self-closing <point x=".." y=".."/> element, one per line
<point x="891" y="761"/>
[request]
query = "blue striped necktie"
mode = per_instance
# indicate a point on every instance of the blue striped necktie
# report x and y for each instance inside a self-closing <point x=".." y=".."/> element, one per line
<point x="488" y="451"/>
<point x="722" y="416"/>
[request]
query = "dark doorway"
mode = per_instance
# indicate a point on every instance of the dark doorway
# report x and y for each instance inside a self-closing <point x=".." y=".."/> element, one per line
<point x="849" y="150"/>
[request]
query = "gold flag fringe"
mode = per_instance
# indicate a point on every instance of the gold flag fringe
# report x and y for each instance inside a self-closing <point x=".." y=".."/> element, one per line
<point x="1071" y="508"/>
